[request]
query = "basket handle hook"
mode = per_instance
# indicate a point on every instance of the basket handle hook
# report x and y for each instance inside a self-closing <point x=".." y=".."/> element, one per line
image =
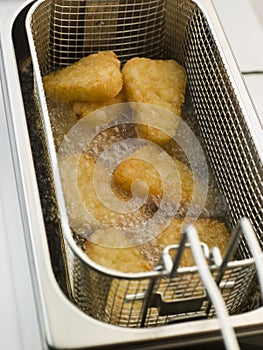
<point x="214" y="294"/>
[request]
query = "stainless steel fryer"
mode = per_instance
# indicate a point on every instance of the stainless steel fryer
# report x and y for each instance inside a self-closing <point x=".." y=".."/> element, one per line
<point x="49" y="291"/>
<point x="62" y="32"/>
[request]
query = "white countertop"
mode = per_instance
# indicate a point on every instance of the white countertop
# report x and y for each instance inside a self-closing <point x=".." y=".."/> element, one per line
<point x="242" y="21"/>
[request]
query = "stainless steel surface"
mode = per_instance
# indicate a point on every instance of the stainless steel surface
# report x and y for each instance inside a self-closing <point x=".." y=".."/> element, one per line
<point x="181" y="31"/>
<point x="19" y="318"/>
<point x="63" y="325"/>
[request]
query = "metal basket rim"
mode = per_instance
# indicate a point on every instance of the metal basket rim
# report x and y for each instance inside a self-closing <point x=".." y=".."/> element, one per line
<point x="66" y="231"/>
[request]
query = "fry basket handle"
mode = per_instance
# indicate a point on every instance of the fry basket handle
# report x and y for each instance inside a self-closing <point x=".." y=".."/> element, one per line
<point x="214" y="294"/>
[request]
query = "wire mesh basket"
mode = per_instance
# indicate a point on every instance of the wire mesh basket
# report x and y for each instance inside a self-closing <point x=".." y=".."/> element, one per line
<point x="63" y="31"/>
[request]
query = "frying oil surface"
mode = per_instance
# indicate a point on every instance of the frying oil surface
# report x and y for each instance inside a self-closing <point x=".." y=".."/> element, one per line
<point x="132" y="162"/>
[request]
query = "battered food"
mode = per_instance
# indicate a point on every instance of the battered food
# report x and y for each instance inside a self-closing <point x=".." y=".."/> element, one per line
<point x="93" y="78"/>
<point x="160" y="83"/>
<point x="103" y="249"/>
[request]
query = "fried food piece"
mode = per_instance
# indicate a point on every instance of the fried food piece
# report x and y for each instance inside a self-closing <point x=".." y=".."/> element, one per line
<point x="211" y="232"/>
<point x="105" y="213"/>
<point x="93" y="78"/>
<point x="82" y="109"/>
<point x="142" y="165"/>
<point x="160" y="83"/>
<point x="101" y="249"/>
<point x="86" y="210"/>
<point x="104" y="248"/>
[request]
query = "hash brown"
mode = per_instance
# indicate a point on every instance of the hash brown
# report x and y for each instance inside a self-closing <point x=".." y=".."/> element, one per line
<point x="84" y="207"/>
<point x="104" y="249"/>
<point x="92" y="78"/>
<point x="211" y="232"/>
<point x="156" y="82"/>
<point x="141" y="166"/>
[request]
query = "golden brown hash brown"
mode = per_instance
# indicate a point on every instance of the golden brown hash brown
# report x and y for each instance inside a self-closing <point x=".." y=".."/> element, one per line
<point x="93" y="78"/>
<point x="136" y="168"/>
<point x="103" y="249"/>
<point x="210" y="231"/>
<point x="100" y="248"/>
<point x="85" y="197"/>
<point x="156" y="82"/>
